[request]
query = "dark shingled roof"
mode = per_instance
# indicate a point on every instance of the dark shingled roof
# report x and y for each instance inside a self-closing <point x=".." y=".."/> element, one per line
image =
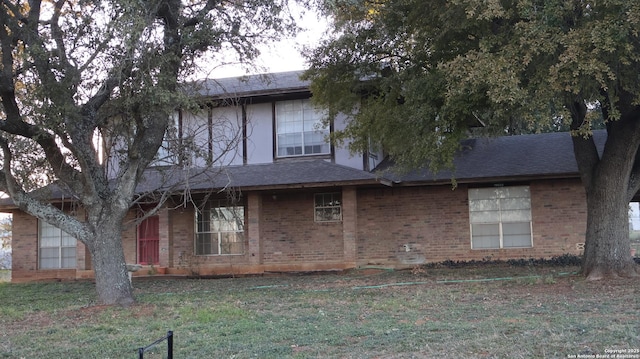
<point x="509" y="158"/>
<point x="253" y="85"/>
<point x="282" y="174"/>
<point x="501" y="158"/>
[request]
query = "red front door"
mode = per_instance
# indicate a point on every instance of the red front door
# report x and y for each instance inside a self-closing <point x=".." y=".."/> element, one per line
<point x="149" y="241"/>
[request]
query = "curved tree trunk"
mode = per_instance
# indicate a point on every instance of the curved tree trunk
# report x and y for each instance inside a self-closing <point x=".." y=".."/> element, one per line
<point x="611" y="182"/>
<point x="107" y="254"/>
<point x="607" y="245"/>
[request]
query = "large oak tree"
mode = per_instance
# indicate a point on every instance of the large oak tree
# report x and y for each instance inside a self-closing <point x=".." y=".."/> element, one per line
<point x="418" y="71"/>
<point x="74" y="69"/>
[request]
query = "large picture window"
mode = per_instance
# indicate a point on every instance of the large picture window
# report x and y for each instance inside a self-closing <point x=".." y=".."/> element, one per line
<point x="219" y="230"/>
<point x="500" y="217"/>
<point x="300" y="130"/>
<point x="57" y="249"/>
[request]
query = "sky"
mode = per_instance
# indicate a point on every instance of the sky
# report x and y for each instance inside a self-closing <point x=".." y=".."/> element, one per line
<point x="283" y="55"/>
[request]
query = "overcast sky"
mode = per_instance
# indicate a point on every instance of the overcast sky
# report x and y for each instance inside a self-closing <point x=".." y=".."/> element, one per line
<point x="284" y="55"/>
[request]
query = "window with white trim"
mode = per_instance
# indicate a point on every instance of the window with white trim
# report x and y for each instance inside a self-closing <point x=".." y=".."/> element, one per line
<point x="219" y="229"/>
<point x="300" y="130"/>
<point x="328" y="207"/>
<point x="169" y="151"/>
<point x="56" y="248"/>
<point x="500" y="217"/>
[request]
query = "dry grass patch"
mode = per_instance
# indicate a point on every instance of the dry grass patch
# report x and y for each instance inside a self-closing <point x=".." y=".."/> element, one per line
<point x="484" y="312"/>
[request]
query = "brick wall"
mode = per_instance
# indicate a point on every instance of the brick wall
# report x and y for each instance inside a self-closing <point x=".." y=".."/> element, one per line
<point x="183" y="259"/>
<point x="378" y="225"/>
<point x="25" y="252"/>
<point x="284" y="234"/>
<point x="291" y="234"/>
<point x="434" y="222"/>
<point x="24" y="243"/>
<point x="559" y="211"/>
<point x="130" y="238"/>
<point x="182" y="232"/>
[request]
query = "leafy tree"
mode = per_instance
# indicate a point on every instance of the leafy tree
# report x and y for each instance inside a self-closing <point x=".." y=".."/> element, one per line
<point x="419" y="71"/>
<point x="73" y="70"/>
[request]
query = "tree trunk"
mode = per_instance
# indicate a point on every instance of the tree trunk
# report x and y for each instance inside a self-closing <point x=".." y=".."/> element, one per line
<point x="112" y="279"/>
<point x="607" y="245"/>
<point x="609" y="185"/>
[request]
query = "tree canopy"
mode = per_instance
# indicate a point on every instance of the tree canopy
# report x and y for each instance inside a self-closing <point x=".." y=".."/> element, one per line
<point x="73" y="71"/>
<point x="412" y="75"/>
<point x="435" y="66"/>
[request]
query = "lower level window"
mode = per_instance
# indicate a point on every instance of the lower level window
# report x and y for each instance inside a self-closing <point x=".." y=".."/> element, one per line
<point x="328" y="207"/>
<point x="500" y="217"/>
<point x="57" y="249"/>
<point x="219" y="230"/>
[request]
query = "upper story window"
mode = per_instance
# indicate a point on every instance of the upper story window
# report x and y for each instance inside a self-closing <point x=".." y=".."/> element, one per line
<point x="169" y="151"/>
<point x="57" y="249"/>
<point x="300" y="130"/>
<point x="500" y="217"/>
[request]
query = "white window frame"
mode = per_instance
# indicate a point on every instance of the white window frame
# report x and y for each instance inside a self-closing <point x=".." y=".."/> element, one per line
<point x="169" y="151"/>
<point x="224" y="222"/>
<point x="53" y="238"/>
<point x="504" y="207"/>
<point x="301" y="125"/>
<point x="327" y="207"/>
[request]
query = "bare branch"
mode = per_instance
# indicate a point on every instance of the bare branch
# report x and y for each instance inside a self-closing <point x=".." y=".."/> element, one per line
<point x="195" y="20"/>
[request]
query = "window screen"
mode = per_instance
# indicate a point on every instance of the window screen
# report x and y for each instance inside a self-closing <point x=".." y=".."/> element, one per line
<point x="500" y="217"/>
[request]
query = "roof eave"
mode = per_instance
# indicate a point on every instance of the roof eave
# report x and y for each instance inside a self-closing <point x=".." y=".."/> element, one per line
<point x="483" y="180"/>
<point x="310" y="185"/>
<point x="259" y="93"/>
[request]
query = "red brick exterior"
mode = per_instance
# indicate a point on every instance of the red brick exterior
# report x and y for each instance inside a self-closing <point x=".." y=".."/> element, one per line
<point x="24" y="244"/>
<point x="434" y="221"/>
<point x="378" y="225"/>
<point x="129" y="238"/>
<point x="294" y="236"/>
<point x="559" y="213"/>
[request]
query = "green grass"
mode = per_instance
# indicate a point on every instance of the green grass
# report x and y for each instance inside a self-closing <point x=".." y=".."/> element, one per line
<point x="5" y="275"/>
<point x="442" y="313"/>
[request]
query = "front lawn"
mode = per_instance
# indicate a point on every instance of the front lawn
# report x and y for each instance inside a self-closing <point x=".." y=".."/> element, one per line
<point x="5" y="275"/>
<point x="482" y="312"/>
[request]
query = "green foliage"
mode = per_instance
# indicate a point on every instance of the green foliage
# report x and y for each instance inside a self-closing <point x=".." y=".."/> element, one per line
<point x="90" y="88"/>
<point x="421" y="72"/>
<point x="100" y="61"/>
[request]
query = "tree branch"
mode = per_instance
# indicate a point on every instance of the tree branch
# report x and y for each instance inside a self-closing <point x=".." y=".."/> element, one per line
<point x="7" y="181"/>
<point x="14" y="122"/>
<point x="196" y="19"/>
<point x="634" y="145"/>
<point x="634" y="178"/>
<point x="57" y="34"/>
<point x="584" y="147"/>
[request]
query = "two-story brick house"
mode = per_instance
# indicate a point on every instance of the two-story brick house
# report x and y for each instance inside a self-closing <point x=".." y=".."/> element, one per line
<point x="279" y="197"/>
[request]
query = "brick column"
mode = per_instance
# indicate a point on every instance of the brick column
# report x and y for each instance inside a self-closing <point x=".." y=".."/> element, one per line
<point x="83" y="257"/>
<point x="24" y="243"/>
<point x="350" y="226"/>
<point x="165" y="246"/>
<point x="254" y="233"/>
